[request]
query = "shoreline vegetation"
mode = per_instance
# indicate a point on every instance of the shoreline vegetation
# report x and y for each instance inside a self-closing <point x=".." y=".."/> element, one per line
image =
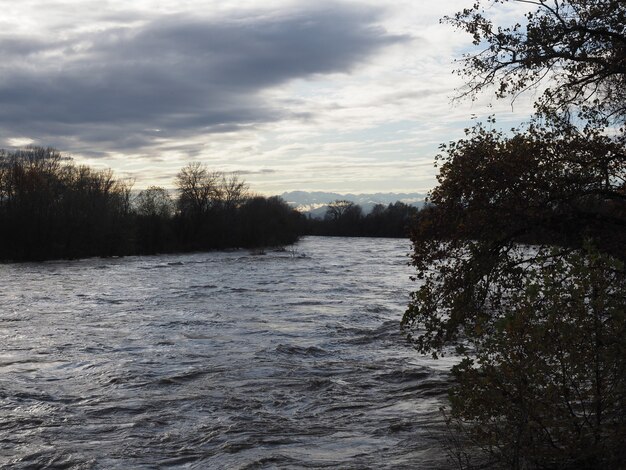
<point x="346" y="219"/>
<point x="52" y="208"/>
<point x="541" y="333"/>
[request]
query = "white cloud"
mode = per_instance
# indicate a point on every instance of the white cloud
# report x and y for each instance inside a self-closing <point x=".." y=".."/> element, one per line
<point x="20" y="141"/>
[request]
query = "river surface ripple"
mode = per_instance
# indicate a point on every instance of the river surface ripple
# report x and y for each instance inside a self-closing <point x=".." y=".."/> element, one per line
<point x="290" y="359"/>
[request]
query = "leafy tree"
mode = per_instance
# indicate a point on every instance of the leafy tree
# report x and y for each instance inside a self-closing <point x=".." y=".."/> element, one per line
<point x="545" y="386"/>
<point x="494" y="192"/>
<point x="540" y="329"/>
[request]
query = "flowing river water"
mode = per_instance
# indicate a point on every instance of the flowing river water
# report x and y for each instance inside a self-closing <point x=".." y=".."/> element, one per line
<point x="289" y="359"/>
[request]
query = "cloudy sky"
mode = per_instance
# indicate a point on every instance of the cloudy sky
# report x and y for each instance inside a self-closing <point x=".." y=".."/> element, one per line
<point x="345" y="96"/>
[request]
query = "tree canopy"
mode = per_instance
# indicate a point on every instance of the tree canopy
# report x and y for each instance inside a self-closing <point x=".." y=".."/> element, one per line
<point x="576" y="48"/>
<point x="520" y="255"/>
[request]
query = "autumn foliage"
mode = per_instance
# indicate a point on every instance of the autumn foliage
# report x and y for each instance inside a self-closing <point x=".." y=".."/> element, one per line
<point x="520" y="257"/>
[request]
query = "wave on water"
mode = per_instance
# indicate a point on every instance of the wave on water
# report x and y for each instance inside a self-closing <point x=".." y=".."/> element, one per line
<point x="217" y="360"/>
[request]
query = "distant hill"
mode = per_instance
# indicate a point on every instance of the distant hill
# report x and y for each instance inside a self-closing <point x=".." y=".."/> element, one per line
<point x="315" y="202"/>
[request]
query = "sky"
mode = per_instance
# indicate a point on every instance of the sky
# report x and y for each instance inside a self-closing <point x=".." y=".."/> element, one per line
<point x="346" y="96"/>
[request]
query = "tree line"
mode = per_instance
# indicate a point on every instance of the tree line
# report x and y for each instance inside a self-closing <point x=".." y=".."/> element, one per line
<point x="346" y="219"/>
<point x="52" y="208"/>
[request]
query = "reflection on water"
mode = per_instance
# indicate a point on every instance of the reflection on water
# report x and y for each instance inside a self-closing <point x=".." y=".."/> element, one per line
<point x="216" y="360"/>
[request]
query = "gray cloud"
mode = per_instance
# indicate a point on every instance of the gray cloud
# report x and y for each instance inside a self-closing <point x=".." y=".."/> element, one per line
<point x="175" y="76"/>
<point x="263" y="171"/>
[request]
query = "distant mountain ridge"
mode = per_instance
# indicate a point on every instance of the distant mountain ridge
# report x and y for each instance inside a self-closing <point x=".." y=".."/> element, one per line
<point x="315" y="202"/>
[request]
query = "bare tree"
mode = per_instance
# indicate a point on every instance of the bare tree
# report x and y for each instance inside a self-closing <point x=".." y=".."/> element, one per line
<point x="154" y="201"/>
<point x="338" y="209"/>
<point x="198" y="188"/>
<point x="575" y="47"/>
<point x="234" y="191"/>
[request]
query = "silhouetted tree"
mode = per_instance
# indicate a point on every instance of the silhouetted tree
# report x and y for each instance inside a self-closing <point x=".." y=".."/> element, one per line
<point x="541" y="329"/>
<point x="345" y="218"/>
<point x="52" y="208"/>
<point x="339" y="208"/>
<point x="198" y="189"/>
<point x="233" y="191"/>
<point x="269" y="222"/>
<point x="391" y="221"/>
<point x="576" y="48"/>
<point x="154" y="201"/>
<point x="154" y="208"/>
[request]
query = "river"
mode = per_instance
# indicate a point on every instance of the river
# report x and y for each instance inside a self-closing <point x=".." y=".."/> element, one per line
<point x="288" y="359"/>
